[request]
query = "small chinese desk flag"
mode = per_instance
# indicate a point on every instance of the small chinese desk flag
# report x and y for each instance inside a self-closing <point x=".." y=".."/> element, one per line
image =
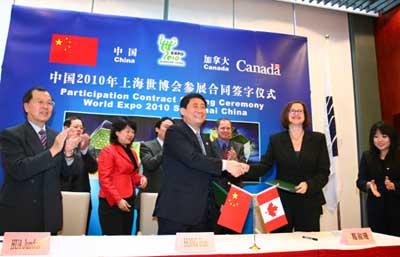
<point x="235" y="210"/>
<point x="271" y="209"/>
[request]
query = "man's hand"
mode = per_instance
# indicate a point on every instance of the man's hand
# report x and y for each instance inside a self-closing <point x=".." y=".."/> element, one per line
<point x="70" y="144"/>
<point x="236" y="169"/>
<point x="59" y="142"/>
<point x="143" y="182"/>
<point x="231" y="154"/>
<point x="85" y="140"/>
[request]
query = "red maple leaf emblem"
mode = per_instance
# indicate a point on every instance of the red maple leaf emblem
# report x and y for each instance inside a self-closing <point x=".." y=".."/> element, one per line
<point x="272" y="209"/>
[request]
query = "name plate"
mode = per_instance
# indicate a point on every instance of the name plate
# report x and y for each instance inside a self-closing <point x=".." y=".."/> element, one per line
<point x="357" y="236"/>
<point x="26" y="243"/>
<point x="195" y="242"/>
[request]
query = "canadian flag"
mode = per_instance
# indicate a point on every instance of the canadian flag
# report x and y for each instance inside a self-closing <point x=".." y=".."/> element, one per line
<point x="271" y="209"/>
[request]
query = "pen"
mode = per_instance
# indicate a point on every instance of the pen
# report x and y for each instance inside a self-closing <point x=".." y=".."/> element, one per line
<point x="311" y="238"/>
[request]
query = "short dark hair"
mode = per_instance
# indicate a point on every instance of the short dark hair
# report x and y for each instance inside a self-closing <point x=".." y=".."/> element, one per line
<point x="385" y="129"/>
<point x="218" y="122"/>
<point x="68" y="121"/>
<point x="285" y="114"/>
<point x="28" y="94"/>
<point x="186" y="99"/>
<point x="160" y="121"/>
<point x="118" y="125"/>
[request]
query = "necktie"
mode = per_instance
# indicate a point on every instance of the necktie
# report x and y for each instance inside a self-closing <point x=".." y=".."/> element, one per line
<point x="43" y="137"/>
<point x="224" y="151"/>
<point x="203" y="149"/>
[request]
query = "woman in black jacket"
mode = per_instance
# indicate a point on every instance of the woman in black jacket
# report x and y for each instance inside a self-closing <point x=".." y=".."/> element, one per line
<point x="379" y="176"/>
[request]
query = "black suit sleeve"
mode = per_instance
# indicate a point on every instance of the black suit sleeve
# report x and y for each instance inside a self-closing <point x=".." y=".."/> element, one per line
<point x="18" y="163"/>
<point x="150" y="161"/>
<point x="362" y="178"/>
<point x="319" y="180"/>
<point x="89" y="161"/>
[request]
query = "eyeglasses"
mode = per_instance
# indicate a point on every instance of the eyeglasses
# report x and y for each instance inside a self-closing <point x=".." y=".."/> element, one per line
<point x="44" y="103"/>
<point x="296" y="111"/>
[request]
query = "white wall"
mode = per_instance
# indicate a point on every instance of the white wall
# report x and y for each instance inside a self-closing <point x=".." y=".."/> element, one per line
<point x="270" y="16"/>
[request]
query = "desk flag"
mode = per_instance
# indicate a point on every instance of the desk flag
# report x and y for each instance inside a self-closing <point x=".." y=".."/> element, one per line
<point x="70" y="49"/>
<point x="234" y="211"/>
<point x="271" y="209"/>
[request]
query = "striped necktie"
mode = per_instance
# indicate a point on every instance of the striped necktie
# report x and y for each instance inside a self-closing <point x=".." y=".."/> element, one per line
<point x="43" y="138"/>
<point x="203" y="149"/>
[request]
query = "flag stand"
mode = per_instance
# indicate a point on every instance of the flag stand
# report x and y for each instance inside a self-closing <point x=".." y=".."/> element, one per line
<point x="254" y="247"/>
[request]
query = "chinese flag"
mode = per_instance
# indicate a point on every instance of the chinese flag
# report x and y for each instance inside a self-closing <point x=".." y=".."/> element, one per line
<point x="235" y="209"/>
<point x="70" y="49"/>
<point x="271" y="209"/>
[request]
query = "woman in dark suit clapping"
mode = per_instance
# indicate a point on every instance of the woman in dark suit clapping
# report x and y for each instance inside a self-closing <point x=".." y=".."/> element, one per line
<point x="301" y="158"/>
<point x="118" y="177"/>
<point x="379" y="176"/>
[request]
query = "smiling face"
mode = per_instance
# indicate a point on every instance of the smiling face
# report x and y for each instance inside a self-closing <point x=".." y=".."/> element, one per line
<point x="296" y="114"/>
<point x="381" y="141"/>
<point x="76" y="127"/>
<point x="39" y="108"/>
<point x="125" y="136"/>
<point x="224" y="130"/>
<point x="195" y="113"/>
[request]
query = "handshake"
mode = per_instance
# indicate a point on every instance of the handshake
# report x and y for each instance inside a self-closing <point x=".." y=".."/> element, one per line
<point x="236" y="169"/>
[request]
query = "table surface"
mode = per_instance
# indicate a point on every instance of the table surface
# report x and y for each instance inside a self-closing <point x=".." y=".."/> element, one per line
<point x="224" y="244"/>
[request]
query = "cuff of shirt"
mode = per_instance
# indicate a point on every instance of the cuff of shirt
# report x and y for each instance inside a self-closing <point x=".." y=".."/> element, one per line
<point x="224" y="164"/>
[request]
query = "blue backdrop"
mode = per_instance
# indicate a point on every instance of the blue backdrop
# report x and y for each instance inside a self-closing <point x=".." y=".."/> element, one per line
<point x="112" y="65"/>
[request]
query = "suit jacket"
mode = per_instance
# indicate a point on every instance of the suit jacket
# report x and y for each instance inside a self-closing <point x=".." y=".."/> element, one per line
<point x="311" y="166"/>
<point x="30" y="199"/>
<point x="226" y="176"/>
<point x="185" y="186"/>
<point x="151" y="157"/>
<point x="80" y="182"/>
<point x="382" y="212"/>
<point x="117" y="176"/>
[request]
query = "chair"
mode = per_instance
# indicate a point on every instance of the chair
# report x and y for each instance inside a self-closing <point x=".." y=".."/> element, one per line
<point x="148" y="224"/>
<point x="75" y="212"/>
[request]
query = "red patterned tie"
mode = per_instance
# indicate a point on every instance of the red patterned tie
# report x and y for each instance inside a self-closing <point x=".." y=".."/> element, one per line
<point x="224" y="151"/>
<point x="43" y="137"/>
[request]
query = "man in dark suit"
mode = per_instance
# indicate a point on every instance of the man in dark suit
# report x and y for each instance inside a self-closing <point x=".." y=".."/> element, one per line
<point x="151" y="155"/>
<point x="223" y="147"/>
<point x="86" y="156"/>
<point x="184" y="199"/>
<point x="33" y="157"/>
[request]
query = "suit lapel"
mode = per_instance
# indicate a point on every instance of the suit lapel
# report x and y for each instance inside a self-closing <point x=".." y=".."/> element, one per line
<point x="193" y="137"/>
<point x="32" y="139"/>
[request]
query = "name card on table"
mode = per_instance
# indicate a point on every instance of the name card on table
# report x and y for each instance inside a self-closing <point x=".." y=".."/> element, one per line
<point x="26" y="243"/>
<point x="195" y="242"/>
<point x="357" y="236"/>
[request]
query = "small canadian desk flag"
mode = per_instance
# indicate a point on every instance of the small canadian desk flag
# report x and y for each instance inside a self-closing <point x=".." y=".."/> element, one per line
<point x="271" y="209"/>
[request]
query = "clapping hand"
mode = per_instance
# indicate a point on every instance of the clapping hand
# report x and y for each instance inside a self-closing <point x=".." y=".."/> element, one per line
<point x="59" y="142"/>
<point x="85" y="140"/>
<point x="374" y="189"/>
<point x="389" y="184"/>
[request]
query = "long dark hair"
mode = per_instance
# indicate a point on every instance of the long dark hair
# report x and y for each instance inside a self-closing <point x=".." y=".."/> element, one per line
<point x="387" y="130"/>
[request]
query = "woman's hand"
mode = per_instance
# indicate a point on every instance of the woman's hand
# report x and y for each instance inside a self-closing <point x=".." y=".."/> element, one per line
<point x="143" y="182"/>
<point x="374" y="189"/>
<point x="301" y="188"/>
<point x="389" y="184"/>
<point x="123" y="205"/>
